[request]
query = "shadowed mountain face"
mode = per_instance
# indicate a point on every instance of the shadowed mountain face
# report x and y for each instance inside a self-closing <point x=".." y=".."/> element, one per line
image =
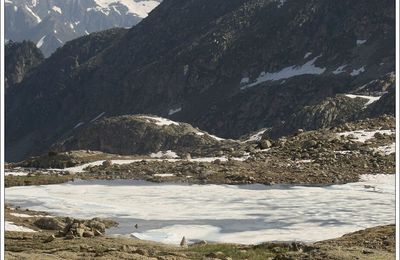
<point x="228" y="67"/>
<point x="51" y="23"/>
<point x="21" y="58"/>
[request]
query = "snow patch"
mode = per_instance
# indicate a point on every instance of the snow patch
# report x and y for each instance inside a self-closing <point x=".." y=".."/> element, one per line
<point x="185" y="69"/>
<point x="137" y="8"/>
<point x="360" y="42"/>
<point x="160" y="121"/>
<point x="19" y="215"/>
<point x="78" y="125"/>
<point x="164" y="175"/>
<point x="166" y="154"/>
<point x="10" y="226"/>
<point x="210" y="135"/>
<point x="97" y="117"/>
<point x="17" y="173"/>
<point x="56" y="9"/>
<point x="304" y="161"/>
<point x="256" y="137"/>
<point x="357" y="72"/>
<point x="339" y="70"/>
<point x="174" y="111"/>
<point x="364" y="135"/>
<point x="307" y="55"/>
<point x="306" y="69"/>
<point x="371" y="99"/>
<point x="216" y="137"/>
<point x="40" y="42"/>
<point x="386" y="149"/>
<point x="33" y="14"/>
<point x="244" y="80"/>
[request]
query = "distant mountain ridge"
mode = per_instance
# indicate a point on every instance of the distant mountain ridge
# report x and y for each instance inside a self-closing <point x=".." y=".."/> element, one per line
<point x="51" y="23"/>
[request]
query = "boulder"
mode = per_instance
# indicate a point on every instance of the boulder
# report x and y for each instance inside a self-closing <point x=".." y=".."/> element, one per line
<point x="309" y="144"/>
<point x="265" y="144"/>
<point x="107" y="163"/>
<point x="49" y="224"/>
<point x="94" y="224"/>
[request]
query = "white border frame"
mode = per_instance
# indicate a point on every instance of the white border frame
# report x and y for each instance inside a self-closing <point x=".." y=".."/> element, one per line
<point x="397" y="114"/>
<point x="2" y="4"/>
<point x="2" y="88"/>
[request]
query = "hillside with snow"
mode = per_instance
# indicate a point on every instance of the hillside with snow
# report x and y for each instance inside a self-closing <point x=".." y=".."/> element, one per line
<point x="51" y="23"/>
<point x="228" y="67"/>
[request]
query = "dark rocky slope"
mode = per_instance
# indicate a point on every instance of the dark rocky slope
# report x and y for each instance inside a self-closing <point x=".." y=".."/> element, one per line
<point x="201" y="58"/>
<point x="20" y="59"/>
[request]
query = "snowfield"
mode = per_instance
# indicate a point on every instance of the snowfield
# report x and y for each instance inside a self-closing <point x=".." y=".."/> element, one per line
<point x="246" y="214"/>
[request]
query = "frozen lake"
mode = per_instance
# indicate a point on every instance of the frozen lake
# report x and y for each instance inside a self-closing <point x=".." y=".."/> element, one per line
<point x="245" y="214"/>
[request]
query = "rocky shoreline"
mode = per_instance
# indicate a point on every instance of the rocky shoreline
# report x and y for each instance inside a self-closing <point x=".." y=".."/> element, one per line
<point x="55" y="237"/>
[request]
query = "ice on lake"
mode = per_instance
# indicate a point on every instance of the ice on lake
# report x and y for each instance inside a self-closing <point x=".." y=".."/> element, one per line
<point x="246" y="214"/>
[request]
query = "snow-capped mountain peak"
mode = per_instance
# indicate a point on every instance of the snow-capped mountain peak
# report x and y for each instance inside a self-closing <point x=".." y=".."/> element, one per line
<point x="51" y="23"/>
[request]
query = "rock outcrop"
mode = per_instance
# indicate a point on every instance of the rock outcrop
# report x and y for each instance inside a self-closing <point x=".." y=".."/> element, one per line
<point x="20" y="59"/>
<point x="143" y="135"/>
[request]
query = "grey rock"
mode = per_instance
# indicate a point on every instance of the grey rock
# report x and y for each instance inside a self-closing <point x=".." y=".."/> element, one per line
<point x="49" y="224"/>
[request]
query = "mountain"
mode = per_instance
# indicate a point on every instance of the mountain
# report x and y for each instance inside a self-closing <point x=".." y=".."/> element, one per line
<point x="20" y="58"/>
<point x="228" y="67"/>
<point x="51" y="23"/>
